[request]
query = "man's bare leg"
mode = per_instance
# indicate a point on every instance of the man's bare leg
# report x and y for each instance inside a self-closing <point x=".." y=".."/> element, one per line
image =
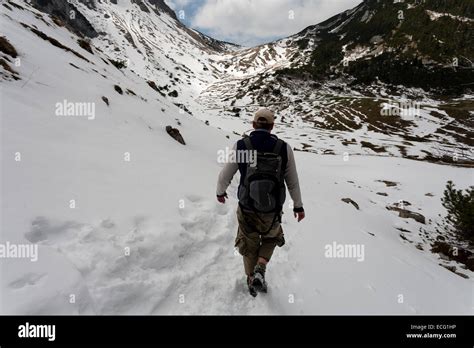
<point x="262" y="260"/>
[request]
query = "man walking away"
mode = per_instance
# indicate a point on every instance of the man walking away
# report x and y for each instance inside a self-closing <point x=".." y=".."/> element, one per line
<point x="270" y="164"/>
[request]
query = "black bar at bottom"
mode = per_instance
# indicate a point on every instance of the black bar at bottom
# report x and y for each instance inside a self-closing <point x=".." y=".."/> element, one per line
<point x="224" y="330"/>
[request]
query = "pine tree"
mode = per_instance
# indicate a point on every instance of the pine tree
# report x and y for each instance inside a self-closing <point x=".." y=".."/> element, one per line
<point x="460" y="207"/>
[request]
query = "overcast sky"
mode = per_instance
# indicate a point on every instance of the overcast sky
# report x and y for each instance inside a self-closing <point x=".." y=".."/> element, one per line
<point x="251" y="22"/>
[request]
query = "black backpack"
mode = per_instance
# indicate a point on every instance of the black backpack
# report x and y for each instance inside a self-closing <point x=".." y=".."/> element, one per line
<point x="263" y="189"/>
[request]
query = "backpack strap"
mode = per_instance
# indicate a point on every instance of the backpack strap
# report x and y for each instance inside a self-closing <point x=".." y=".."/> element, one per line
<point x="277" y="151"/>
<point x="278" y="146"/>
<point x="248" y="143"/>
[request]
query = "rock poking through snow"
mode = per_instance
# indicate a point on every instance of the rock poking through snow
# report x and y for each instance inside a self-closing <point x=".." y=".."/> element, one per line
<point x="175" y="134"/>
<point x="350" y="201"/>
<point x="407" y="214"/>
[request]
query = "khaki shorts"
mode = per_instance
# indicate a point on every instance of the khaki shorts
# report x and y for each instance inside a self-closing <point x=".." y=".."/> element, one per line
<point x="256" y="237"/>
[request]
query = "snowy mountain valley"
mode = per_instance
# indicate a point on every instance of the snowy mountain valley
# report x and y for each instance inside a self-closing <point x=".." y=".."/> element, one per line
<point x="125" y="218"/>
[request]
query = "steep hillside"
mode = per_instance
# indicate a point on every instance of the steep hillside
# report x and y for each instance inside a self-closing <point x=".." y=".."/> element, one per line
<point x="385" y="78"/>
<point x="146" y="38"/>
<point x="425" y="44"/>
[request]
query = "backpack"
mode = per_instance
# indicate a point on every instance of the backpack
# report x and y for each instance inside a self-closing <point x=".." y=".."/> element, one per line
<point x="263" y="189"/>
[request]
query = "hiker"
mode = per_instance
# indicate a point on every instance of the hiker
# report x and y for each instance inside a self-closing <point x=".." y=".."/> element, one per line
<point x="270" y="164"/>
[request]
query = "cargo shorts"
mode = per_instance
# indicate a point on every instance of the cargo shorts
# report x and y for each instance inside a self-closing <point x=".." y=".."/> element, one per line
<point x="255" y="238"/>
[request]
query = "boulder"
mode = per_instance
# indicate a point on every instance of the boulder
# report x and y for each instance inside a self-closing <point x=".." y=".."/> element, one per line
<point x="173" y="94"/>
<point x="407" y="214"/>
<point x="350" y="201"/>
<point x="175" y="134"/>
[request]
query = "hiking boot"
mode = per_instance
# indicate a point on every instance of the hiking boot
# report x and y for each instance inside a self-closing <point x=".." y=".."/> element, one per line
<point x="258" y="281"/>
<point x="252" y="289"/>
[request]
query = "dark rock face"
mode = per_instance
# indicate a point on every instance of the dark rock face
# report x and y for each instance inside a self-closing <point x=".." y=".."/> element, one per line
<point x="62" y="9"/>
<point x="142" y="5"/>
<point x="175" y="134"/>
<point x="89" y="3"/>
<point x="161" y="5"/>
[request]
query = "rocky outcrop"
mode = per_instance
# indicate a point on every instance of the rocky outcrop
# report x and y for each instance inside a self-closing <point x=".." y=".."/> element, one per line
<point x="175" y="134"/>
<point x="61" y="9"/>
<point x="407" y="214"/>
<point x="458" y="254"/>
<point x="7" y="48"/>
<point x="350" y="201"/>
<point x="161" y="6"/>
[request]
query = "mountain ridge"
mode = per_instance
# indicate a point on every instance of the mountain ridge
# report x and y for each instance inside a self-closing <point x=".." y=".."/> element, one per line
<point x="215" y="81"/>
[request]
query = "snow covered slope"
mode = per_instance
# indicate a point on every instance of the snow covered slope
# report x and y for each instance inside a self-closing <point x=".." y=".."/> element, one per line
<point x="149" y="40"/>
<point x="126" y="219"/>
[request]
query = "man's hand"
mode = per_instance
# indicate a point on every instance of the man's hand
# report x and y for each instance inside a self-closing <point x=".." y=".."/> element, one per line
<point x="221" y="198"/>
<point x="300" y="215"/>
